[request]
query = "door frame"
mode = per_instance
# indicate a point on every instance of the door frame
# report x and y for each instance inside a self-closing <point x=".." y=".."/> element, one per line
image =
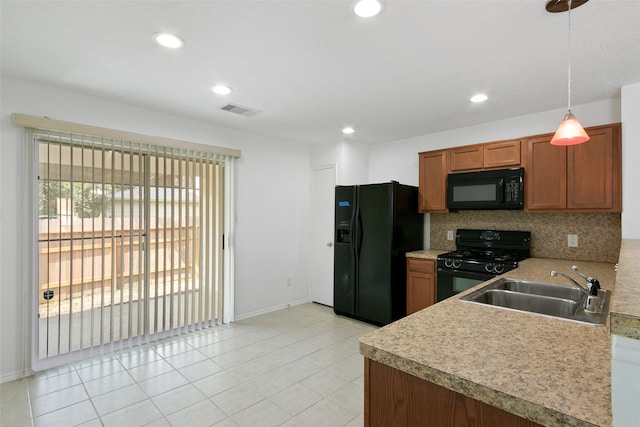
<point x="315" y="240"/>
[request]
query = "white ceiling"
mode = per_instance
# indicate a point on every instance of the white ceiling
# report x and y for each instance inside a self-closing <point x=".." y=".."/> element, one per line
<point x="313" y="67"/>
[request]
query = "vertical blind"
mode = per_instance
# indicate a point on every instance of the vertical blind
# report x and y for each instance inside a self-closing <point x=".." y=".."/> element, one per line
<point x="129" y="240"/>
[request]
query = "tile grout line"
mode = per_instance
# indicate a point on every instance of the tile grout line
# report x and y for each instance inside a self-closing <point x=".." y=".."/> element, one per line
<point x="320" y="333"/>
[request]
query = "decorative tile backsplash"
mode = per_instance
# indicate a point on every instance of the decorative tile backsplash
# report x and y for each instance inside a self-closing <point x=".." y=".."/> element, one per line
<point x="599" y="234"/>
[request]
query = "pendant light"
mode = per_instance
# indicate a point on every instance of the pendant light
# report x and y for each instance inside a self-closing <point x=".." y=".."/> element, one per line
<point x="570" y="132"/>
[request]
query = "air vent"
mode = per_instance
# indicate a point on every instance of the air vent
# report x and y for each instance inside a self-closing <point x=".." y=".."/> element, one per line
<point x="238" y="109"/>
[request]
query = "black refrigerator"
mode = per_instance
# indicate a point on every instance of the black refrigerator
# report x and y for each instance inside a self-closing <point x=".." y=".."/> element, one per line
<point x="376" y="224"/>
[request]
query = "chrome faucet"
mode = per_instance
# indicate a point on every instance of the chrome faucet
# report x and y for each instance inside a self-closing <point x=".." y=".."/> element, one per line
<point x="576" y="284"/>
<point x="592" y="284"/>
<point x="592" y="300"/>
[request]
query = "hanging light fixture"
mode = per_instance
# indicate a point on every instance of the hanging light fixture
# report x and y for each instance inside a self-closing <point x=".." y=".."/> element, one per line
<point x="570" y="132"/>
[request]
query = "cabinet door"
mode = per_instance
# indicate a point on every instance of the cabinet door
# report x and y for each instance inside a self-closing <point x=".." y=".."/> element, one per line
<point x="421" y="284"/>
<point x="545" y="179"/>
<point x="396" y="398"/>
<point x="593" y="172"/>
<point x="466" y="158"/>
<point x="432" y="173"/>
<point x="502" y="154"/>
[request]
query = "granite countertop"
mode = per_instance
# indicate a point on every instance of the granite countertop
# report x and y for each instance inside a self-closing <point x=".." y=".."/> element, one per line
<point x="552" y="371"/>
<point x="425" y="253"/>
<point x="625" y="305"/>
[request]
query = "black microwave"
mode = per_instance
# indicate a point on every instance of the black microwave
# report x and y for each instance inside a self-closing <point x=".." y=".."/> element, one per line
<point x="492" y="189"/>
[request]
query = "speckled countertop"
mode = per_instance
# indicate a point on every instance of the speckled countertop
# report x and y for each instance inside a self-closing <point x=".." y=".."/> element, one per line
<point x="552" y="371"/>
<point x="426" y="253"/>
<point x="625" y="306"/>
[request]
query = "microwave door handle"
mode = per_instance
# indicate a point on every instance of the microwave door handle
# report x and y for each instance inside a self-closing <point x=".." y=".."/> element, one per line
<point x="501" y="190"/>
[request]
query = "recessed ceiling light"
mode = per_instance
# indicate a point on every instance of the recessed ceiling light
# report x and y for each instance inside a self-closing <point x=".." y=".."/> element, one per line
<point x="367" y="8"/>
<point x="168" y="40"/>
<point x="348" y="130"/>
<point x="221" y="90"/>
<point x="481" y="97"/>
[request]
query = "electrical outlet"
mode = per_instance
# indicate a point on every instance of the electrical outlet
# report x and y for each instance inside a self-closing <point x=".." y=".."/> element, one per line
<point x="289" y="282"/>
<point x="572" y="240"/>
<point x="449" y="234"/>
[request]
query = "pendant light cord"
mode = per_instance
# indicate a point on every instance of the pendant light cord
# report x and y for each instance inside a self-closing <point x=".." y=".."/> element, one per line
<point x="569" y="62"/>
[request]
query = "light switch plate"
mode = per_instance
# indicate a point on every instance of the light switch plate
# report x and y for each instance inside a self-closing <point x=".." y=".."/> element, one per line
<point x="449" y="234"/>
<point x="572" y="240"/>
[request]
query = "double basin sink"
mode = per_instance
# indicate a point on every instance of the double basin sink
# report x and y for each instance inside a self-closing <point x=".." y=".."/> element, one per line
<point x="565" y="302"/>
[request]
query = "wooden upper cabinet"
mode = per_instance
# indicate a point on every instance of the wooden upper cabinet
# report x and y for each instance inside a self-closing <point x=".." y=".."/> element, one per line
<point x="579" y="178"/>
<point x="594" y="171"/>
<point x="545" y="176"/>
<point x="491" y="155"/>
<point x="432" y="171"/>
<point x="466" y="158"/>
<point x="502" y="154"/>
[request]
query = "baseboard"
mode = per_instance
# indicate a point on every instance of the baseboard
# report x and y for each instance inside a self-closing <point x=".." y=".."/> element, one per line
<point x="14" y="376"/>
<point x="270" y="309"/>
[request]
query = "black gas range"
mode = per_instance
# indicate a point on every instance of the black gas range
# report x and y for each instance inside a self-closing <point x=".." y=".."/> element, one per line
<point x="479" y="256"/>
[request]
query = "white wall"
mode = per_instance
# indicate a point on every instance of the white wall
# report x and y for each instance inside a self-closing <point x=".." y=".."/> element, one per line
<point x="272" y="204"/>
<point x="351" y="160"/>
<point x="630" y="155"/>
<point x="625" y="362"/>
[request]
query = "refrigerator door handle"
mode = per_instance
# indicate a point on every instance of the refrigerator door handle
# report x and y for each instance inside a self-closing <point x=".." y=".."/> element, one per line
<point x="356" y="228"/>
<point x="359" y="234"/>
<point x="355" y="215"/>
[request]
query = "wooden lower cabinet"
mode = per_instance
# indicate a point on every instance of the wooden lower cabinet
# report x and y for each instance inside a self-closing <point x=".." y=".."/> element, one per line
<point x="421" y="284"/>
<point x="395" y="398"/>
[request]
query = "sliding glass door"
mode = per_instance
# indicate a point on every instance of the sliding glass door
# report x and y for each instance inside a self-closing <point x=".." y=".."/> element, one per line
<point x="129" y="242"/>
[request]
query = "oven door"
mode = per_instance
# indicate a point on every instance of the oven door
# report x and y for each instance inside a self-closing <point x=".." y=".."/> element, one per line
<point x="451" y="282"/>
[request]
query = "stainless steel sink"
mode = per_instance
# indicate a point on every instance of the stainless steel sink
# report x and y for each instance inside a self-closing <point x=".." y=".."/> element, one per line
<point x="565" y="302"/>
<point x="539" y="288"/>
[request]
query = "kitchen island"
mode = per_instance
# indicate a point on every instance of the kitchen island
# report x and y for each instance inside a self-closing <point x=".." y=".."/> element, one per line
<point x="551" y="371"/>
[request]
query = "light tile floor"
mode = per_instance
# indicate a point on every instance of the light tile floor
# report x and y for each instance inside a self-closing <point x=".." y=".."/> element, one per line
<point x="298" y="366"/>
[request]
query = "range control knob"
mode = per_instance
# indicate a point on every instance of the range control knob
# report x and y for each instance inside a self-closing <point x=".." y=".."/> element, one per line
<point x="448" y="263"/>
<point x="489" y="268"/>
<point x="456" y="264"/>
<point x="499" y="268"/>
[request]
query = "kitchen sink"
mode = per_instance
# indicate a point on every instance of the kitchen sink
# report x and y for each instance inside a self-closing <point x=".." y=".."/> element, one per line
<point x="549" y="299"/>
<point x="528" y="302"/>
<point x="539" y="288"/>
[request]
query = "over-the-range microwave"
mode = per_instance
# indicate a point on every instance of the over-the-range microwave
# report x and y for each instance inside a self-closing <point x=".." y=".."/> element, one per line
<point x="492" y="189"/>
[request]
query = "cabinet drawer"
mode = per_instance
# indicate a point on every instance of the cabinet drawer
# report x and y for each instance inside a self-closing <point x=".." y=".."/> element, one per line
<point x="419" y="265"/>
